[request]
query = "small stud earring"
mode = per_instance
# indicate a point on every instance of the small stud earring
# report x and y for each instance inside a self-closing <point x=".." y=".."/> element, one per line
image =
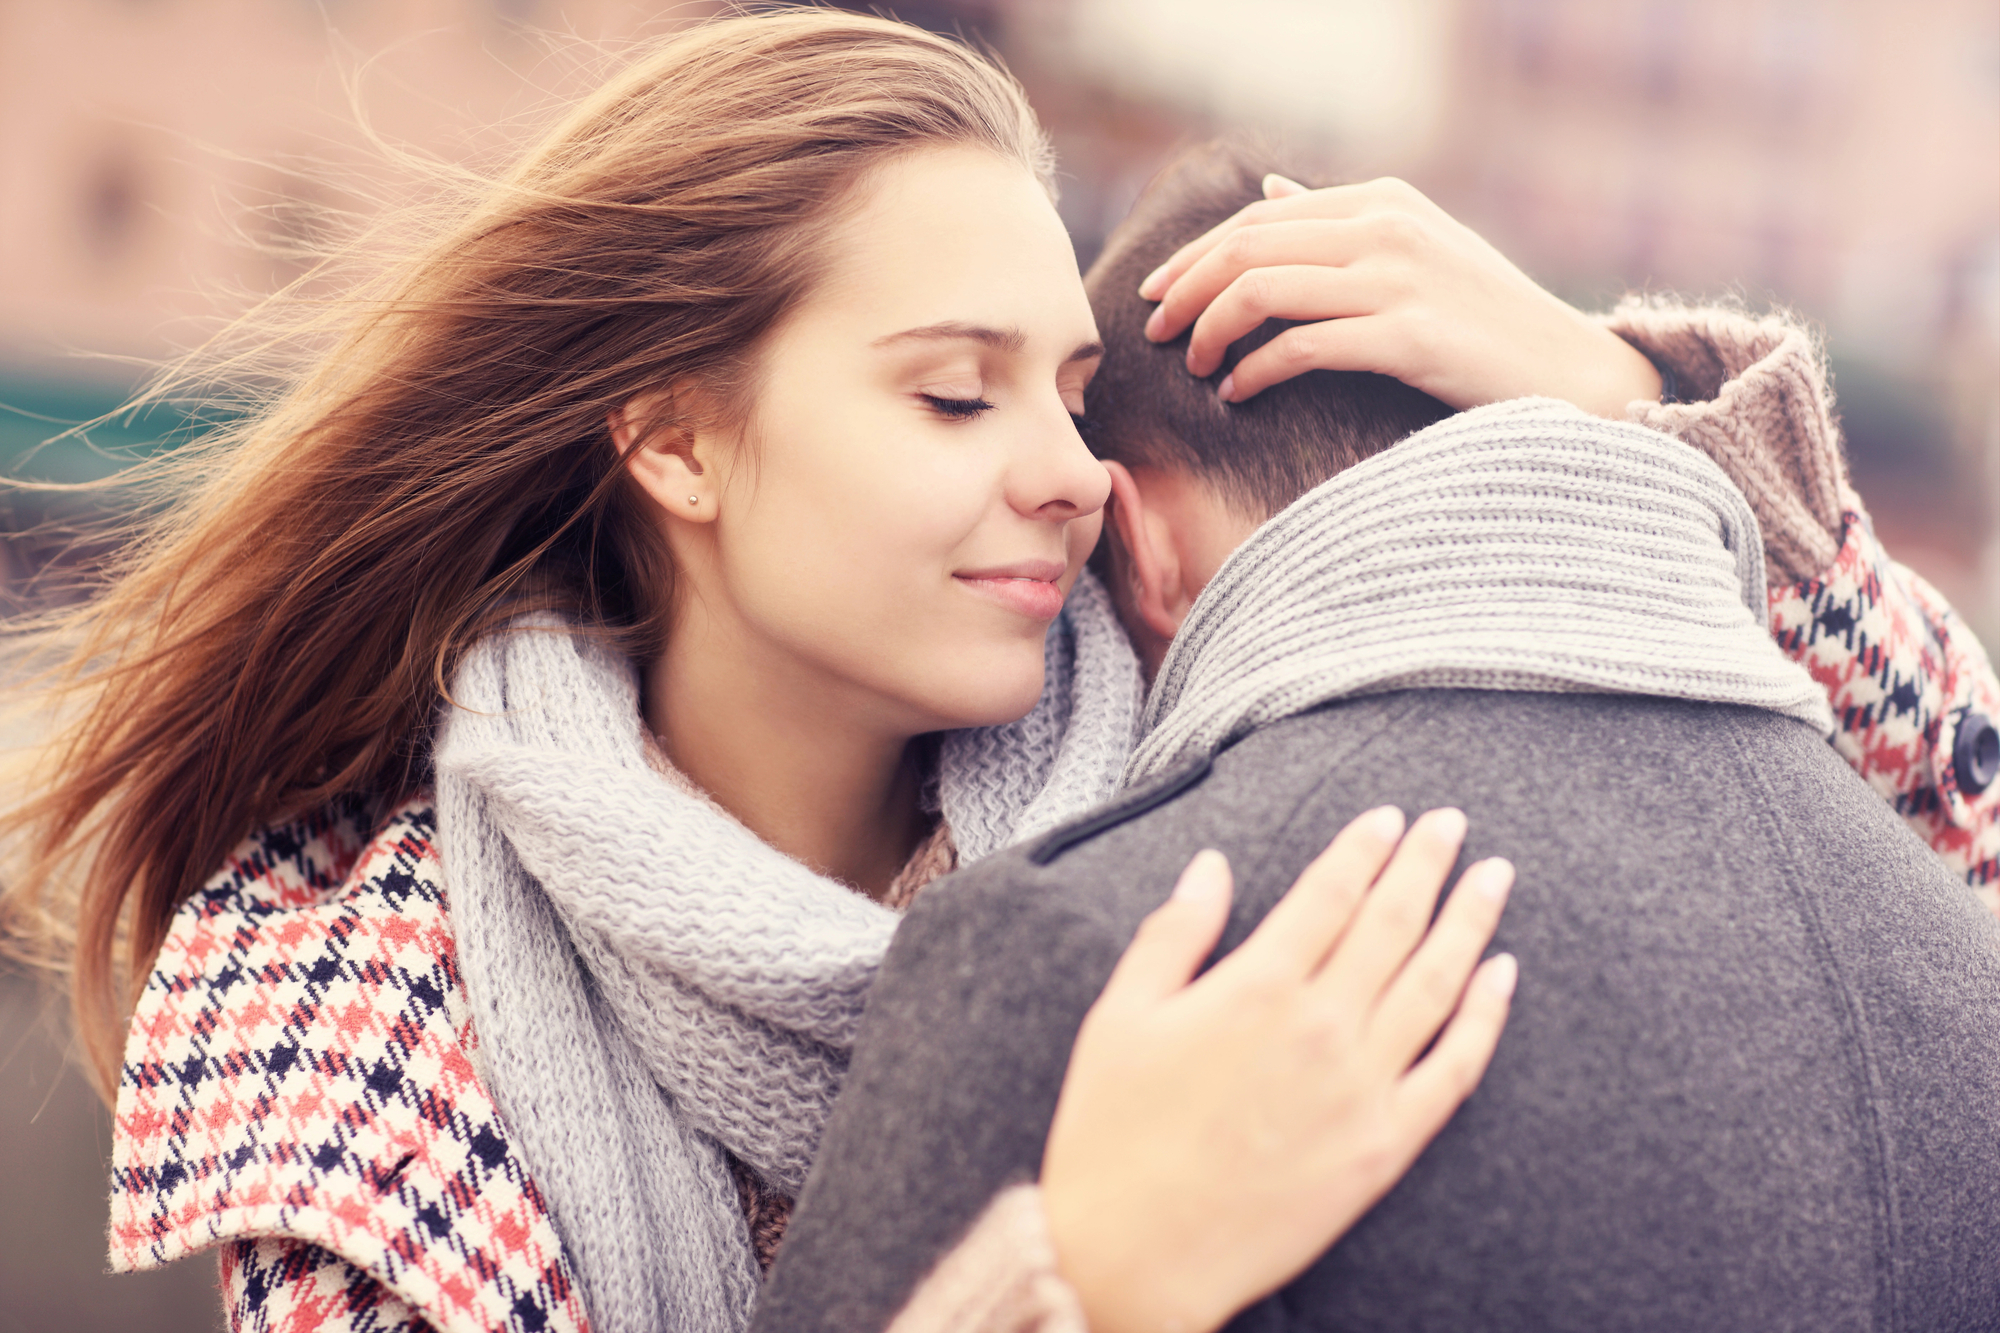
<point x="694" y="499"/>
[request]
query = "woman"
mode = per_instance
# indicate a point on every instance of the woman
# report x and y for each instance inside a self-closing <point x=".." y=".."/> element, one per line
<point x="660" y="385"/>
<point x="759" y="371"/>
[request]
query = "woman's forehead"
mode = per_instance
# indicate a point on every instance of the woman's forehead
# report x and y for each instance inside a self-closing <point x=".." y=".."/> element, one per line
<point x="956" y="236"/>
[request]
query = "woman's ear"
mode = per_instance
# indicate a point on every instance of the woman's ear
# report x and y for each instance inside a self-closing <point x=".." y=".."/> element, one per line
<point x="1147" y="560"/>
<point x="673" y="460"/>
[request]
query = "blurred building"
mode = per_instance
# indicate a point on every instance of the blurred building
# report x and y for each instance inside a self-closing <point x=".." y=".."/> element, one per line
<point x="1839" y="156"/>
<point x="163" y="161"/>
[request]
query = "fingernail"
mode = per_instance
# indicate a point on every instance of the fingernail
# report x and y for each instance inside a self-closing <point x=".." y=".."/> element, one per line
<point x="1503" y="970"/>
<point x="1152" y="282"/>
<point x="1447" y="825"/>
<point x="1385" y="822"/>
<point x="1276" y="185"/>
<point x="1494" y="878"/>
<point x="1201" y="882"/>
<point x="1156" y="323"/>
<point x="1226" y="390"/>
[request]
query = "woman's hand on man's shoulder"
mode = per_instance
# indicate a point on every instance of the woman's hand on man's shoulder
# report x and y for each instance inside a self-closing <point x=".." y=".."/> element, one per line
<point x="1214" y="1135"/>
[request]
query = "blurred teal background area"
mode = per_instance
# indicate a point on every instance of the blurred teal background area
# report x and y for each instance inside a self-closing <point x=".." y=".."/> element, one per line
<point x="35" y="412"/>
<point x="164" y="163"/>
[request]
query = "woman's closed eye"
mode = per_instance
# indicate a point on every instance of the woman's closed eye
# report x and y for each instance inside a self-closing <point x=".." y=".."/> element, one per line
<point x="957" y="409"/>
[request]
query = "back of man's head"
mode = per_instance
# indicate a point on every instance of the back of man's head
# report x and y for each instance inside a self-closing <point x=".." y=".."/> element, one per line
<point x="1145" y="410"/>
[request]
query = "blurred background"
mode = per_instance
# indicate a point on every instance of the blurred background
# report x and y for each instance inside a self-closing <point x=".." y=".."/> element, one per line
<point x="164" y="162"/>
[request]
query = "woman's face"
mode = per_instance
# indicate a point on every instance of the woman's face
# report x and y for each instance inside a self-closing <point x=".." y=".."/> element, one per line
<point x="911" y="501"/>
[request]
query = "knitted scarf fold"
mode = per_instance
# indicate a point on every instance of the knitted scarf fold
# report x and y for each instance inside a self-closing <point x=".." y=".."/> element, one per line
<point x="652" y="985"/>
<point x="1521" y="546"/>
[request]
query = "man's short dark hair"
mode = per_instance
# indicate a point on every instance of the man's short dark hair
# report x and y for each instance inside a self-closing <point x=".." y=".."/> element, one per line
<point x="1144" y="409"/>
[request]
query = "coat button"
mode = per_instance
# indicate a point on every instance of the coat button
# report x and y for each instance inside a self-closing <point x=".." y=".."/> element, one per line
<point x="1976" y="755"/>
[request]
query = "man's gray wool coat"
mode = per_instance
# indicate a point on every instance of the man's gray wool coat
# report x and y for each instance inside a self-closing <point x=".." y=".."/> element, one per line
<point x="1751" y="1081"/>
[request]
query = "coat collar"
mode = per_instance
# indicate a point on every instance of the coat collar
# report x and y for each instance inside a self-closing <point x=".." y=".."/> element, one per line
<point x="298" y="1066"/>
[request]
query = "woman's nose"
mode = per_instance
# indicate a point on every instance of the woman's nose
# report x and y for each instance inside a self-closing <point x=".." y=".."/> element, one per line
<point x="1058" y="477"/>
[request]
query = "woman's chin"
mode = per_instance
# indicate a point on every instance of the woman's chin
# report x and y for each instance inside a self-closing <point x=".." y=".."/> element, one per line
<point x="999" y="699"/>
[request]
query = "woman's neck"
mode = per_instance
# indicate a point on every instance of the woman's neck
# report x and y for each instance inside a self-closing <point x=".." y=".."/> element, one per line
<point x="794" y="765"/>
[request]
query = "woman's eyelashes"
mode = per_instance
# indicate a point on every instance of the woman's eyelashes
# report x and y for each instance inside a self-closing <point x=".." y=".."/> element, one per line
<point x="964" y="407"/>
<point x="955" y="409"/>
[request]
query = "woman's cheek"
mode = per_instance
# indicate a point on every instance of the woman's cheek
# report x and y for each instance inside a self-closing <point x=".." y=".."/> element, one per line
<point x="944" y="506"/>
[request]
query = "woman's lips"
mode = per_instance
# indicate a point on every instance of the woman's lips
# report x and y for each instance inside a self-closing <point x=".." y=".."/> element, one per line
<point x="1029" y="588"/>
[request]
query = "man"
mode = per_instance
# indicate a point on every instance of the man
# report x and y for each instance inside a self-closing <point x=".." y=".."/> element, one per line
<point x="1753" y="1068"/>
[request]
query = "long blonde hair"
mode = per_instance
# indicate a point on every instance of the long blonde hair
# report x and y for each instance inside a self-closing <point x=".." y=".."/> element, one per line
<point x="278" y="636"/>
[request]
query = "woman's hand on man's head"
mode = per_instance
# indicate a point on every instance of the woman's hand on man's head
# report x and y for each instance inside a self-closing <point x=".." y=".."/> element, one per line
<point x="1387" y="282"/>
<point x="1214" y="1135"/>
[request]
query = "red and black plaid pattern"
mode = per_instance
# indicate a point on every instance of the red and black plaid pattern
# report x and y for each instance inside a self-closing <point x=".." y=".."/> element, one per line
<point x="1902" y="673"/>
<point x="299" y="1067"/>
<point x="288" y="1286"/>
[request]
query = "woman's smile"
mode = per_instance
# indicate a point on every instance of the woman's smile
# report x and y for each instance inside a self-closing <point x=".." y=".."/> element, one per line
<point x="1031" y="587"/>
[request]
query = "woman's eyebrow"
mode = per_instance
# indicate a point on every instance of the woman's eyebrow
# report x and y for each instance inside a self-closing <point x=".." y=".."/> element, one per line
<point x="1006" y="340"/>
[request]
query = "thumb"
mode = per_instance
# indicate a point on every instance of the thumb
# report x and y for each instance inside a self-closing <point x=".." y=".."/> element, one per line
<point x="1280" y="187"/>
<point x="1176" y="936"/>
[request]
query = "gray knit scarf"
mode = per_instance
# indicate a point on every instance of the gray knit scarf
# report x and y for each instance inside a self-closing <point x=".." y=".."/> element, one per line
<point x="653" y="987"/>
<point x="1521" y="546"/>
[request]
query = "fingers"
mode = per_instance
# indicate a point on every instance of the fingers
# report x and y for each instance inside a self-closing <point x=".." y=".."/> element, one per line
<point x="1439" y="1082"/>
<point x="1175" y="936"/>
<point x="1166" y="275"/>
<point x="1339" y="201"/>
<point x="1295" y="291"/>
<point x="1395" y="916"/>
<point x="1295" y="937"/>
<point x="1361" y="342"/>
<point x="1317" y="242"/>
<point x="1430" y="986"/>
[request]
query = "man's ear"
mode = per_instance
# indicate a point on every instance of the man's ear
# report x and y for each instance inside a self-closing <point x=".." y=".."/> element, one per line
<point x="1155" y="589"/>
<point x="674" y="459"/>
